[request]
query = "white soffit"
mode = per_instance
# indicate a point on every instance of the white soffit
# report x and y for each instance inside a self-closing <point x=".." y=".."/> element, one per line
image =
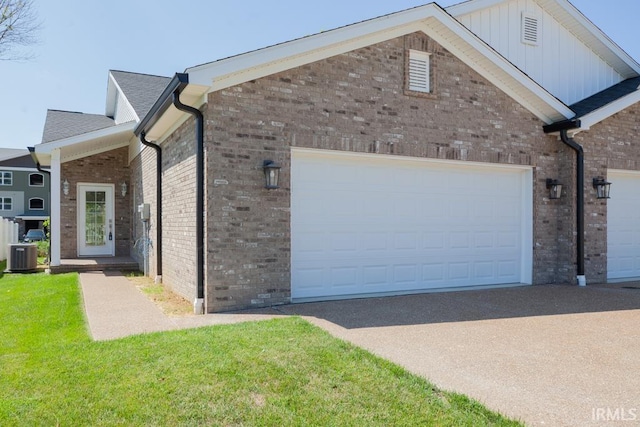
<point x="595" y="117"/>
<point x="88" y="144"/>
<point x="193" y="96"/>
<point x="430" y="19"/>
<point x="585" y="30"/>
<point x="113" y="89"/>
<point x="576" y="23"/>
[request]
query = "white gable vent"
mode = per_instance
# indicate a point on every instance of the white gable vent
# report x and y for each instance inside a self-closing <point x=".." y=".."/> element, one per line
<point x="530" y="29"/>
<point x="419" y="71"/>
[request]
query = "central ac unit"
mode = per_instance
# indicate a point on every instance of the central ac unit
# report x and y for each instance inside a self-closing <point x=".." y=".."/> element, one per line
<point x="22" y="257"/>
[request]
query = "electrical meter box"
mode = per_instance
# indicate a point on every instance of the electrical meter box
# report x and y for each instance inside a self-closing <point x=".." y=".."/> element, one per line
<point x="145" y="211"/>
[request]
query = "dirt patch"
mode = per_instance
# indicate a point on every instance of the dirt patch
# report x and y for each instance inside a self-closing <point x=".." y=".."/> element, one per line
<point x="169" y="302"/>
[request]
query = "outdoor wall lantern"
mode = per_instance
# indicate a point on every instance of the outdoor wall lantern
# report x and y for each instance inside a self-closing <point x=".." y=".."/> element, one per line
<point x="271" y="174"/>
<point x="65" y="187"/>
<point x="555" y="188"/>
<point x="603" y="188"/>
<point x="123" y="189"/>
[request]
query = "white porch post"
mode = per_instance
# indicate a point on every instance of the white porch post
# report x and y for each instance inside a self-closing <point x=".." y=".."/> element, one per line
<point x="55" y="208"/>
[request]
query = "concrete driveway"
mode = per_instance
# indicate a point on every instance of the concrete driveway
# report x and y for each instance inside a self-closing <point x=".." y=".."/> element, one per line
<point x="547" y="355"/>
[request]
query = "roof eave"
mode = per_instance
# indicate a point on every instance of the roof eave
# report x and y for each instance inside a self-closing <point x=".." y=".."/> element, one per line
<point x="178" y="83"/>
<point x="430" y="19"/>
<point x="42" y="152"/>
<point x="564" y="11"/>
<point x="602" y="113"/>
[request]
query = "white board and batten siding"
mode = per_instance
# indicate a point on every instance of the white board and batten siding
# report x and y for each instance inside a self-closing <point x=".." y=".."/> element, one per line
<point x="369" y="224"/>
<point x="623" y="225"/>
<point x="559" y="61"/>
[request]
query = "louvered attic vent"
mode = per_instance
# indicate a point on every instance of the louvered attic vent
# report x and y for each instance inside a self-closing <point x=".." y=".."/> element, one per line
<point x="530" y="25"/>
<point x="419" y="71"/>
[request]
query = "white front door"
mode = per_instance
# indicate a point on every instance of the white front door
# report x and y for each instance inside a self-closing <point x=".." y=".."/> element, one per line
<point x="96" y="228"/>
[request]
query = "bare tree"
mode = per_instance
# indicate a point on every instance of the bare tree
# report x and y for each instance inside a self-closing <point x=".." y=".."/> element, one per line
<point x="18" y="28"/>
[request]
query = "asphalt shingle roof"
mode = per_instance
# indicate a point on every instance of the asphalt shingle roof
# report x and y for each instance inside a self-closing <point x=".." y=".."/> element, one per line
<point x="142" y="90"/>
<point x="65" y="124"/>
<point x="607" y="96"/>
<point x="19" y="162"/>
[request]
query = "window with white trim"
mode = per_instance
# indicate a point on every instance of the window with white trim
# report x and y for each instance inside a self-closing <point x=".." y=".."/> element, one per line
<point x="530" y="29"/>
<point x="6" y="178"/>
<point x="6" y="203"/>
<point x="36" y="180"/>
<point x="36" y="204"/>
<point x="419" y="73"/>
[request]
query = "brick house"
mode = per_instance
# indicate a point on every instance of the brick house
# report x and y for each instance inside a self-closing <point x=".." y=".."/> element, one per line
<point x="418" y="151"/>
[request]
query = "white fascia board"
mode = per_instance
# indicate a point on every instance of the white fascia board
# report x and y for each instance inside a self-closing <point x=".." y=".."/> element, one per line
<point x="462" y="43"/>
<point x="608" y="110"/>
<point x="467" y="7"/>
<point x="122" y="96"/>
<point x="569" y="16"/>
<point x="43" y="151"/>
<point x="430" y="19"/>
<point x="17" y="169"/>
<point x="311" y="48"/>
<point x="593" y="36"/>
<point x="193" y="95"/>
<point x="110" y="106"/>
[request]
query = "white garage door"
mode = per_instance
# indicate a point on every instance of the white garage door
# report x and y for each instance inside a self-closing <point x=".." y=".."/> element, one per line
<point x="370" y="224"/>
<point x="623" y="225"/>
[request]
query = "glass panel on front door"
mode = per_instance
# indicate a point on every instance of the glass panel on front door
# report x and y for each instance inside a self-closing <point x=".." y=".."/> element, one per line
<point x="95" y="219"/>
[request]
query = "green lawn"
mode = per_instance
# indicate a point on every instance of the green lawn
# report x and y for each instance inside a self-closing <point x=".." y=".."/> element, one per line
<point x="275" y="373"/>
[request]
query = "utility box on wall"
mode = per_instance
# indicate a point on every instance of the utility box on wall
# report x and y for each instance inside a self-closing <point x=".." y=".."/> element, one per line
<point x="22" y="257"/>
<point x="145" y="211"/>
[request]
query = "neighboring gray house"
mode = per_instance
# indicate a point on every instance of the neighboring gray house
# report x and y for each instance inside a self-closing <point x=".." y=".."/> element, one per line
<point x="420" y="150"/>
<point x="24" y="191"/>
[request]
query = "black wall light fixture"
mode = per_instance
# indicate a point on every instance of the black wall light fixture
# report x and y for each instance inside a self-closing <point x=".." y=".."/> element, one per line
<point x="603" y="188"/>
<point x="271" y="174"/>
<point x="555" y="188"/>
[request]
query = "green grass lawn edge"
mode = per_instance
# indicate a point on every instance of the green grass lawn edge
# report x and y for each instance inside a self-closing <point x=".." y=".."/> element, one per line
<point x="281" y="372"/>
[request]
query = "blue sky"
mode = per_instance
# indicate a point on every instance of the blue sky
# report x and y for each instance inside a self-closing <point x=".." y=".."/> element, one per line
<point x="81" y="40"/>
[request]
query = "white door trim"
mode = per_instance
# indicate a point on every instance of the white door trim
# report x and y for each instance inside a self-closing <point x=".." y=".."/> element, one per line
<point x="109" y="248"/>
<point x="629" y="265"/>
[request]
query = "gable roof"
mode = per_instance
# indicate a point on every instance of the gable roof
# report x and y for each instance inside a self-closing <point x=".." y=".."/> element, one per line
<point x="606" y="97"/>
<point x="430" y="19"/>
<point x="78" y="135"/>
<point x="573" y="20"/>
<point x="22" y="161"/>
<point x="65" y="124"/>
<point x="11" y="153"/>
<point x="140" y="90"/>
<point x="606" y="103"/>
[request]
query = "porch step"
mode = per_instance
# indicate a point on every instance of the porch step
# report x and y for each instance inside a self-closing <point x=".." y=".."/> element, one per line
<point x="95" y="264"/>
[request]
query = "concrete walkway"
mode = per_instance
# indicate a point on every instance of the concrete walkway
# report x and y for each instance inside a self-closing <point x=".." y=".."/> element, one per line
<point x="547" y="355"/>
<point x="115" y="308"/>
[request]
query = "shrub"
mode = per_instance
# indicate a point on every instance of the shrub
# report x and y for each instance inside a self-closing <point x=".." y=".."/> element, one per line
<point x="43" y="248"/>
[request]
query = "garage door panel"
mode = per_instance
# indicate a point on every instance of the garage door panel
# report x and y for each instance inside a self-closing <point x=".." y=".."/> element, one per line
<point x="375" y="275"/>
<point x="404" y="233"/>
<point x="623" y="226"/>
